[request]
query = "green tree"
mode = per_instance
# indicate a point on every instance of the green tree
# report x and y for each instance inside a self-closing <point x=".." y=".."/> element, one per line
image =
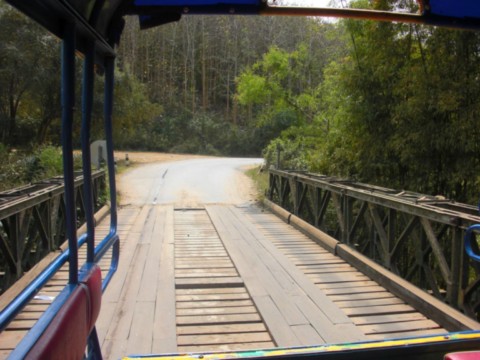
<point x="20" y="44"/>
<point x="133" y="111"/>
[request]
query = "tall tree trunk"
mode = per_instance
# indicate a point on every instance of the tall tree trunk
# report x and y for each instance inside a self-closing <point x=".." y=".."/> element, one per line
<point x="204" y="68"/>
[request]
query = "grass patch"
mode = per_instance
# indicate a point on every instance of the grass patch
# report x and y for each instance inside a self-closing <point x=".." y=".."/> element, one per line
<point x="260" y="178"/>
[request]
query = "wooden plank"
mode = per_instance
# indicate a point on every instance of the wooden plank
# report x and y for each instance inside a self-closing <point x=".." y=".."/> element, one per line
<point x="388" y="318"/>
<point x="248" y="241"/>
<point x="354" y="298"/>
<point x="227" y="347"/>
<point x="218" y="319"/>
<point x="370" y="302"/>
<point x="205" y="252"/>
<point x="328" y="268"/>
<point x="224" y="264"/>
<point x="151" y="272"/>
<point x="376" y="310"/>
<point x="200" y="261"/>
<point x="128" y="246"/>
<point x="213" y="297"/>
<point x="211" y="291"/>
<point x="326" y="261"/>
<point x="281" y="332"/>
<point x="31" y="315"/>
<point x="208" y="271"/>
<point x="185" y="247"/>
<point x="302" y="251"/>
<point x="400" y="326"/>
<point x="186" y="283"/>
<point x="337" y="277"/>
<point x="213" y="304"/>
<point x="433" y="308"/>
<point x="307" y="335"/>
<point x="4" y="353"/>
<point x="198" y="246"/>
<point x="113" y="326"/>
<point x="362" y="296"/>
<point x="107" y="311"/>
<point x="212" y="259"/>
<point x="195" y="238"/>
<point x="296" y="244"/>
<point x="221" y="329"/>
<point x="141" y="330"/>
<point x="409" y="334"/>
<point x="259" y="280"/>
<point x="35" y="307"/>
<point x="333" y="334"/>
<point x="209" y="275"/>
<point x="10" y="339"/>
<point x="324" y="304"/>
<point x="308" y="258"/>
<point x="439" y="312"/>
<point x="347" y="284"/>
<point x="119" y="328"/>
<point x="21" y="325"/>
<point x="352" y="290"/>
<point x="216" y="311"/>
<point x="164" y="328"/>
<point x="235" y="296"/>
<point x="213" y="339"/>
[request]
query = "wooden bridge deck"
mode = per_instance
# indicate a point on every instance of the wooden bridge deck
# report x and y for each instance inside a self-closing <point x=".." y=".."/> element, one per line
<point x="227" y="278"/>
<point x="224" y="278"/>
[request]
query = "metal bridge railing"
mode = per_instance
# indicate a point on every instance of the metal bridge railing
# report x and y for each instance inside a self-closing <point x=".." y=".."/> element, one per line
<point x="32" y="222"/>
<point x="416" y="236"/>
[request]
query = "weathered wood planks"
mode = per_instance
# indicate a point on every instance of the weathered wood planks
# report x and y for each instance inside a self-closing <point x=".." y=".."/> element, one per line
<point x="214" y="310"/>
<point x="375" y="311"/>
<point x="261" y="283"/>
<point x="285" y="297"/>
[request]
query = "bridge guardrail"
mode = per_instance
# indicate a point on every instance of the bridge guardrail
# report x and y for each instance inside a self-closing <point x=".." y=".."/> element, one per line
<point x="32" y="222"/>
<point x="416" y="236"/>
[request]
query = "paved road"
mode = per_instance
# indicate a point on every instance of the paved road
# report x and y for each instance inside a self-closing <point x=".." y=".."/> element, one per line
<point x="189" y="183"/>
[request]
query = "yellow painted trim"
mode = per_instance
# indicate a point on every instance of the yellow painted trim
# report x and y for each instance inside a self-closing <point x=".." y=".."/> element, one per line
<point x="312" y="349"/>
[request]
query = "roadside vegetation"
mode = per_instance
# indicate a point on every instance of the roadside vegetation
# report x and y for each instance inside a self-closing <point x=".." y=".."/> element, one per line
<point x="22" y="167"/>
<point x="383" y="103"/>
<point x="260" y="179"/>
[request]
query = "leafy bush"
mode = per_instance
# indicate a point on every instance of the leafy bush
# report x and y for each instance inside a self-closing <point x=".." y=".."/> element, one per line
<point x="292" y="154"/>
<point x="20" y="168"/>
<point x="45" y="162"/>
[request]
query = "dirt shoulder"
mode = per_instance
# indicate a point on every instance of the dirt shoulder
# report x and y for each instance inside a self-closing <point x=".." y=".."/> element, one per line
<point x="145" y="157"/>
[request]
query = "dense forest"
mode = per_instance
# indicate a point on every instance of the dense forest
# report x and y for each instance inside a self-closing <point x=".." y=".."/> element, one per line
<point x="384" y="103"/>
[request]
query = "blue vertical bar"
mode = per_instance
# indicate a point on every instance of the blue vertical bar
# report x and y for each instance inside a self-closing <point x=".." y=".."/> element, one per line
<point x="112" y="237"/>
<point x="108" y="110"/>
<point x="68" y="105"/>
<point x="87" y="105"/>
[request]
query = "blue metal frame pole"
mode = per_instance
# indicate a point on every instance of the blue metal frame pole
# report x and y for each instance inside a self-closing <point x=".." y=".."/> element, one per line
<point x="108" y="110"/>
<point x="87" y="105"/>
<point x="112" y="238"/>
<point x="68" y="105"/>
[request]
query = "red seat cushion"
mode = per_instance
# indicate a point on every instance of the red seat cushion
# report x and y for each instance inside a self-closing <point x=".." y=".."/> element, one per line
<point x="464" y="355"/>
<point x="66" y="336"/>
<point x="93" y="281"/>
